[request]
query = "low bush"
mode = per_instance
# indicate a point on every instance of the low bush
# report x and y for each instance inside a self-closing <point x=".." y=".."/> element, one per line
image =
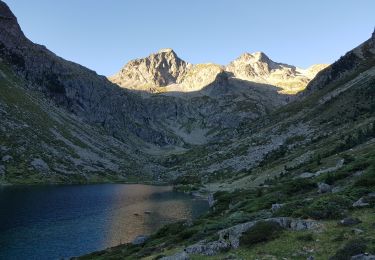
<point x="296" y="186"/>
<point x="366" y="180"/>
<point x="306" y="237"/>
<point x="262" y="231"/>
<point x="353" y="247"/>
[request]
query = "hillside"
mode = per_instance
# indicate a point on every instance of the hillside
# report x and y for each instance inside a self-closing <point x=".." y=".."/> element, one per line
<point x="296" y="184"/>
<point x="285" y="156"/>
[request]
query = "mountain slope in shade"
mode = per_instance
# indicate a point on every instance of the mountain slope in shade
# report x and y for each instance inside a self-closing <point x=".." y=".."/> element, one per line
<point x="166" y="72"/>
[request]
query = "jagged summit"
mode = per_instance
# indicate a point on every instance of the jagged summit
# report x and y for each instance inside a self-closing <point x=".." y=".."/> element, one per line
<point x="157" y="70"/>
<point x="253" y="57"/>
<point x="258" y="67"/>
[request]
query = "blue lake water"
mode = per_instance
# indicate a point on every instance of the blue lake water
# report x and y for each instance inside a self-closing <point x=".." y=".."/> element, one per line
<point x="55" y="222"/>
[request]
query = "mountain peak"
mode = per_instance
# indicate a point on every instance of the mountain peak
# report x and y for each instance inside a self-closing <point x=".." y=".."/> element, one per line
<point x="157" y="70"/>
<point x="254" y="57"/>
<point x="168" y="50"/>
<point x="5" y="12"/>
<point x="261" y="56"/>
<point x="8" y="23"/>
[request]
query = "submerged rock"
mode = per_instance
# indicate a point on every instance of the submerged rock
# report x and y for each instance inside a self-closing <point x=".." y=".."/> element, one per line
<point x="140" y="240"/>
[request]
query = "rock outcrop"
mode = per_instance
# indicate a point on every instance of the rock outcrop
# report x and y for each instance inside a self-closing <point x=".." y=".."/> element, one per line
<point x="230" y="237"/>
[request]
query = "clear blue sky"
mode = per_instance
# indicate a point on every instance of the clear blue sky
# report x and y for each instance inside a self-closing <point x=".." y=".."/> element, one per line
<point x="104" y="35"/>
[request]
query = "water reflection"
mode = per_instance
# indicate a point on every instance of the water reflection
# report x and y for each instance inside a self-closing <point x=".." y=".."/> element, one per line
<point x="51" y="222"/>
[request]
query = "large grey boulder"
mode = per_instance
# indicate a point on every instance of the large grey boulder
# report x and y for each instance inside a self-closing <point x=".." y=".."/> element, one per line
<point x="324" y="187"/>
<point x="349" y="221"/>
<point x="360" y="203"/>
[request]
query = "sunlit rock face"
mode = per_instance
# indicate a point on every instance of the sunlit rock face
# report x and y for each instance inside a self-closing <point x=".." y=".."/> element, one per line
<point x="164" y="71"/>
<point x="258" y="67"/>
<point x="157" y="70"/>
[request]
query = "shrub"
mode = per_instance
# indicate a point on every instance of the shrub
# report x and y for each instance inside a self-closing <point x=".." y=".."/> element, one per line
<point x="170" y="229"/>
<point x="291" y="209"/>
<point x="262" y="231"/>
<point x="366" y="180"/>
<point x="328" y="207"/>
<point x="353" y="247"/>
<point x="297" y="186"/>
<point x="306" y="237"/>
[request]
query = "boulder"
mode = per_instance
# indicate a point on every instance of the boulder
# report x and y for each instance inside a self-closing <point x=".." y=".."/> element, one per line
<point x="324" y="187"/>
<point x="2" y="169"/>
<point x="357" y="231"/>
<point x="276" y="207"/>
<point x="211" y="200"/>
<point x="349" y="221"/>
<point x="7" y="158"/>
<point x="360" y="203"/>
<point x="306" y="175"/>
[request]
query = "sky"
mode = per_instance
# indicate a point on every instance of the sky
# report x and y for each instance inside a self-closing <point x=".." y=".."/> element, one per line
<point x="104" y="35"/>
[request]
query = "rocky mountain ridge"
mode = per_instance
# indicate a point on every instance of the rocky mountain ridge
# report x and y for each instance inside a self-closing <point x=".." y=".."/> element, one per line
<point x="164" y="72"/>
